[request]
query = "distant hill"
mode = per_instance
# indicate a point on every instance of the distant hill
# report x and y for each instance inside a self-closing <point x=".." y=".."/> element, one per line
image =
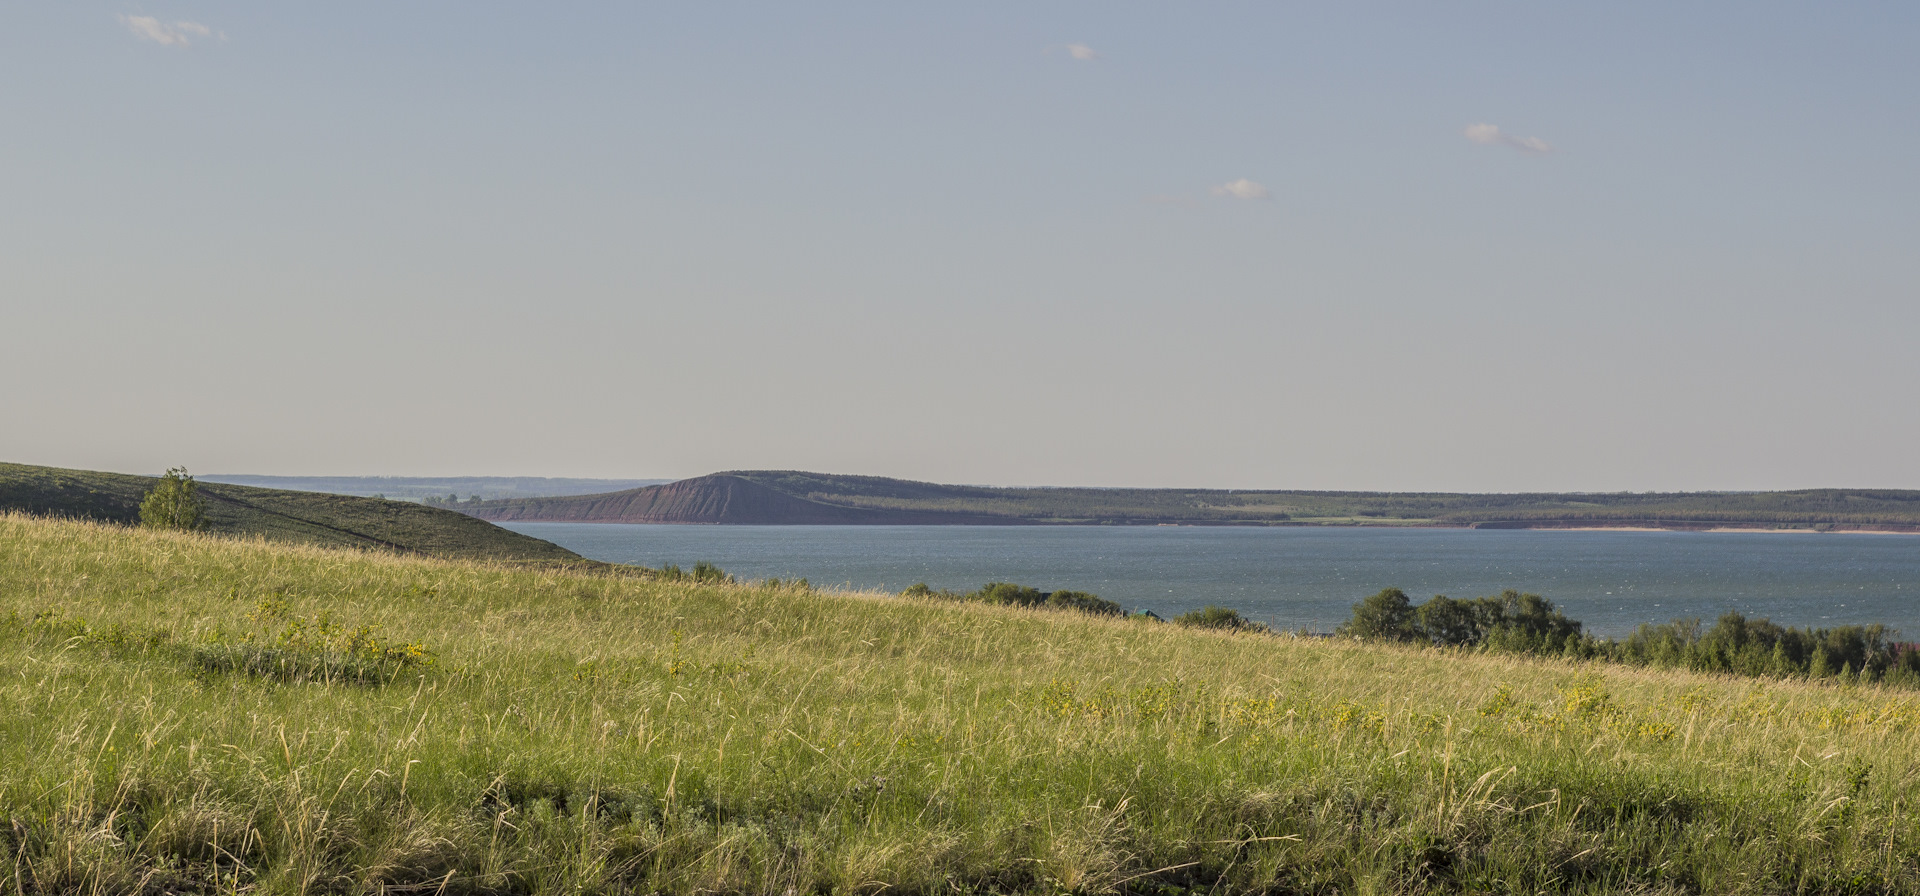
<point x="292" y="516"/>
<point x="719" y="498"/>
<point x="438" y="488"/>
<point x="797" y="498"/>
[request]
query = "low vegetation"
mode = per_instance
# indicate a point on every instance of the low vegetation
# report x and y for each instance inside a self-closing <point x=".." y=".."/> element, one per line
<point x="1219" y="618"/>
<point x="193" y="714"/>
<point x="1007" y="594"/>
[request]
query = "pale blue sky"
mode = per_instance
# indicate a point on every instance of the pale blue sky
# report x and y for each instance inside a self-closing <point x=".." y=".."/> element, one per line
<point x="1475" y="246"/>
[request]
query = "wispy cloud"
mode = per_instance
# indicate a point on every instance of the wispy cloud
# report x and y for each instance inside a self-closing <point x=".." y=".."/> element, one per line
<point x="169" y="34"/>
<point x="1242" y="189"/>
<point x="1082" y="52"/>
<point x="1491" y="135"/>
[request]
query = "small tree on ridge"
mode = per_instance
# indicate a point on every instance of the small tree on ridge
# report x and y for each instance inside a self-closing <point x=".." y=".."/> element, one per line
<point x="174" y="503"/>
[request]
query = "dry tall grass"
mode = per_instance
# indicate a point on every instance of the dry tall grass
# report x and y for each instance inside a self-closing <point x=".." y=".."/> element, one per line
<point x="565" y="732"/>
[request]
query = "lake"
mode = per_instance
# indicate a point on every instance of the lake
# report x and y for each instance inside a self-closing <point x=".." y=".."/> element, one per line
<point x="1299" y="577"/>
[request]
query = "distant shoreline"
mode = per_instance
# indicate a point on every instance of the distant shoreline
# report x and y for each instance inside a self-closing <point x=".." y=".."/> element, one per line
<point x="1752" y="530"/>
<point x="787" y="497"/>
<point x="1502" y="526"/>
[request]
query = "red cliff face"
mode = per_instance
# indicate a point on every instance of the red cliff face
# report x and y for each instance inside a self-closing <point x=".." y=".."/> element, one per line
<point x="709" y="499"/>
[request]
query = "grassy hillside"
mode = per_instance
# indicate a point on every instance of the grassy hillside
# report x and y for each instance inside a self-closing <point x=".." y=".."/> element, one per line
<point x="789" y="497"/>
<point x="209" y="715"/>
<point x="301" y="517"/>
<point x="439" y="488"/>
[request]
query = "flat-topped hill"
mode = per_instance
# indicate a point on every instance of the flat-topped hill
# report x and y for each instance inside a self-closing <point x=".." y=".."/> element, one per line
<point x="796" y="498"/>
<point x="290" y="516"/>
<point x="723" y="498"/>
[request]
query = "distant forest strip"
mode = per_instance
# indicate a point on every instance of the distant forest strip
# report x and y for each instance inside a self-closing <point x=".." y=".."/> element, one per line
<point x="790" y="497"/>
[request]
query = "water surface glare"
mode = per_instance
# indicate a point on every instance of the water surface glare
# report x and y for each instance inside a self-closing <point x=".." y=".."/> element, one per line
<point x="1310" y="577"/>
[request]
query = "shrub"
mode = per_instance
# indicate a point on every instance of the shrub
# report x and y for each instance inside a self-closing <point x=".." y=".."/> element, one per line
<point x="1009" y="594"/>
<point x="702" y="572"/>
<point x="174" y="503"/>
<point x="1083" y="602"/>
<point x="1211" y="616"/>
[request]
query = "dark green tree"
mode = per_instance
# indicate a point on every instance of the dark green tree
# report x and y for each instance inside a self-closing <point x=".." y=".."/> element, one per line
<point x="1448" y="622"/>
<point x="1386" y="616"/>
<point x="174" y="503"/>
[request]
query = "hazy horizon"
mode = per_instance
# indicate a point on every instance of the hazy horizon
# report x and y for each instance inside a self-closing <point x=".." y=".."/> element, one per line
<point x="644" y="481"/>
<point x="1482" y="247"/>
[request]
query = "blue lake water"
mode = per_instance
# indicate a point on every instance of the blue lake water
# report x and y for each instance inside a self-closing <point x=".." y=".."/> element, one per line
<point x="1310" y="577"/>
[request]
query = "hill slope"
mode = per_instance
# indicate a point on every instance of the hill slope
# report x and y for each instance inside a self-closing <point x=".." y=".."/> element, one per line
<point x="420" y="488"/>
<point x="719" y="498"/>
<point x="208" y="715"/>
<point x="797" y="498"/>
<point x="301" y="517"/>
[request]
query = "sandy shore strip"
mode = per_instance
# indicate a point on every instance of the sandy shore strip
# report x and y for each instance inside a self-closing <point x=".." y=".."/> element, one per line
<point x="1753" y="530"/>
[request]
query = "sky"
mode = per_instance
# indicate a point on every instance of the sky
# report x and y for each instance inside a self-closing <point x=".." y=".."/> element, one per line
<point x="1386" y="246"/>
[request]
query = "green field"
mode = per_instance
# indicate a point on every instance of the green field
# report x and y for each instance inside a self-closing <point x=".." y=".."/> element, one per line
<point x="288" y="516"/>
<point x="195" y="714"/>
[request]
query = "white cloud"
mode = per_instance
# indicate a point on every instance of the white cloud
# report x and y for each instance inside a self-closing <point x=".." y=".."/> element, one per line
<point x="1242" y="189"/>
<point x="1483" y="133"/>
<point x="1082" y="52"/>
<point x="169" y="34"/>
<point x="1488" y="134"/>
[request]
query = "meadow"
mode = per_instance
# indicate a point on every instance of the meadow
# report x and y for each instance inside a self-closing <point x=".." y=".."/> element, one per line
<point x="187" y="713"/>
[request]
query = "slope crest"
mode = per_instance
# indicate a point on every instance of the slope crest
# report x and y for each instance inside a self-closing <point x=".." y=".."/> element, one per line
<point x="277" y="514"/>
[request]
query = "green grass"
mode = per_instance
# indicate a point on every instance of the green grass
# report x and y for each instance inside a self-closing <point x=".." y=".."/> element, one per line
<point x="552" y="731"/>
<point x="290" y="516"/>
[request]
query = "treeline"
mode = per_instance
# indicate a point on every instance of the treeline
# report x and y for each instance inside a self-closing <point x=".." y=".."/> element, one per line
<point x="1528" y="623"/>
<point x="1509" y="621"/>
<point x="1759" y="647"/>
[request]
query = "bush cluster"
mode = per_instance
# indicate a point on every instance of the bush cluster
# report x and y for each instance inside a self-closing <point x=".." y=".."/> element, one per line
<point x="703" y="573"/>
<point x="1509" y="620"/>
<point x="1223" y="618"/>
<point x="1010" y="594"/>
